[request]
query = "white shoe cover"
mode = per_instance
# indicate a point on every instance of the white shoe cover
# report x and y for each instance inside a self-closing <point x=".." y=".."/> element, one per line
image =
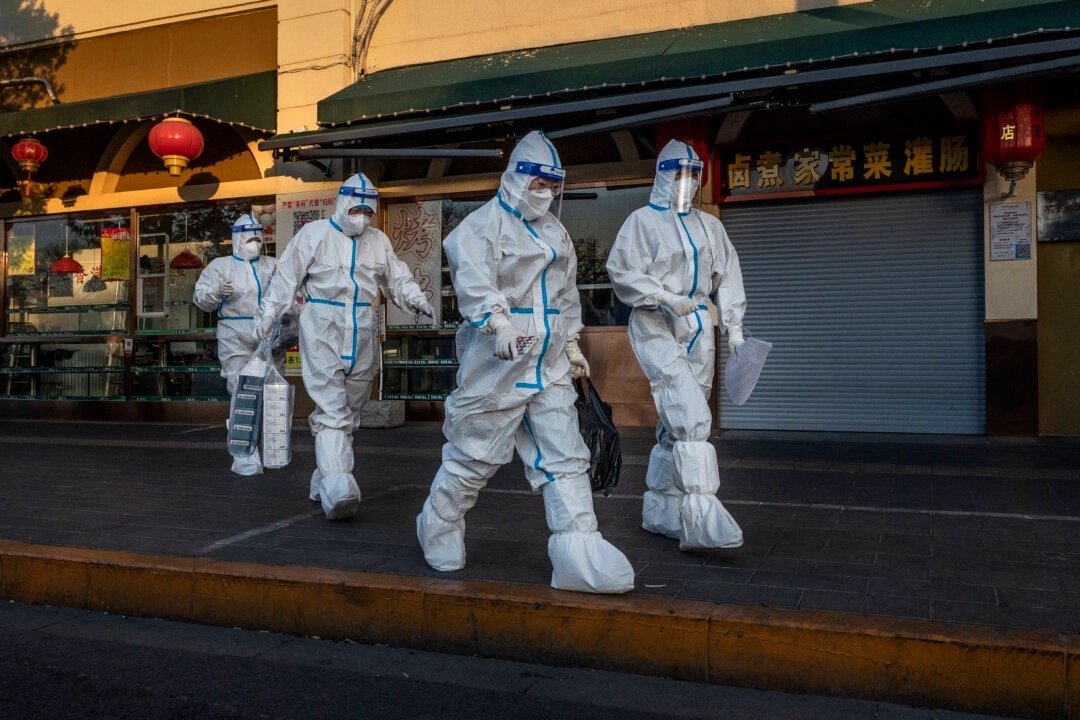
<point x="443" y="542"/>
<point x="586" y="562"/>
<point x="706" y="523"/>
<point x="340" y="496"/>
<point x="440" y="526"/>
<point x="338" y="492"/>
<point x="581" y="559"/>
<point x="660" y="504"/>
<point x="315" y="487"/>
<point x="250" y="465"/>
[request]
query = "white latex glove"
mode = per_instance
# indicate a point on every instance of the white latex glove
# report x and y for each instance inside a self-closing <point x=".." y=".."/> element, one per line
<point x="423" y="307"/>
<point x="734" y="337"/>
<point x="579" y="366"/>
<point x="226" y="288"/>
<point x="264" y="325"/>
<point x="505" y="337"/>
<point x="682" y="306"/>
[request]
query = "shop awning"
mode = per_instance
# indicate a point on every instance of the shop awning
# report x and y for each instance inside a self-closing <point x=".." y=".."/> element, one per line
<point x="248" y="100"/>
<point x="686" y="65"/>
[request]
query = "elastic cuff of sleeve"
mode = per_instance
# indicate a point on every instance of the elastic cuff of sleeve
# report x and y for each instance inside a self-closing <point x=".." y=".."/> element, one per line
<point x="498" y="320"/>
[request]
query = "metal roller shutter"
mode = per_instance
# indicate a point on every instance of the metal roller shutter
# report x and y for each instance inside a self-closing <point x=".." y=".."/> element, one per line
<point x="874" y="306"/>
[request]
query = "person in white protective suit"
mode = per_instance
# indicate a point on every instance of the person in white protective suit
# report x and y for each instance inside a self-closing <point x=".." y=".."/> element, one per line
<point x="234" y="287"/>
<point x="667" y="260"/>
<point x="514" y="270"/>
<point x="339" y="264"/>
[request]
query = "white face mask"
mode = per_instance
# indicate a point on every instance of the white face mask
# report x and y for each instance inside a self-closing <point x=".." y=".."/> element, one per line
<point x="537" y="203"/>
<point x="683" y="194"/>
<point x="355" y="224"/>
<point x="249" y="249"/>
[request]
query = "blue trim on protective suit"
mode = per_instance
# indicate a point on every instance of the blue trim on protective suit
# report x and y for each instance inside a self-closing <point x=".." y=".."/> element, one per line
<point x="539" y="455"/>
<point x="529" y="311"/>
<point x="258" y="291"/>
<point x="693" y="286"/>
<point x="539" y="384"/>
<point x="355" y="300"/>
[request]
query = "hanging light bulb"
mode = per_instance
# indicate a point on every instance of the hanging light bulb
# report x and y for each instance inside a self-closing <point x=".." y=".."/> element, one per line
<point x="66" y="265"/>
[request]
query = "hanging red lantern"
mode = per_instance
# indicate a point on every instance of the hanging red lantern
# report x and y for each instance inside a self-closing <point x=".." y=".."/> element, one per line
<point x="185" y="260"/>
<point x="67" y="265"/>
<point x="1013" y="130"/>
<point x="176" y="141"/>
<point x="29" y="153"/>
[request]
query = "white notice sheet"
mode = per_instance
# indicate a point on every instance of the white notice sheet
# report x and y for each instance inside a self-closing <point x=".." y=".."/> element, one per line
<point x="743" y="368"/>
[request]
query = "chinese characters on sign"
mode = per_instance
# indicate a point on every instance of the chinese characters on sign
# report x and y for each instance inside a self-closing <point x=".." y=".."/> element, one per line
<point x="415" y="230"/>
<point x="1010" y="231"/>
<point x="848" y="166"/>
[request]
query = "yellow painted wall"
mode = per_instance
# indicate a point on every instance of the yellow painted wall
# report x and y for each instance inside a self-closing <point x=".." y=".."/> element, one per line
<point x="163" y="56"/>
<point x="81" y="19"/>
<point x="420" y="31"/>
<point x="1059" y="290"/>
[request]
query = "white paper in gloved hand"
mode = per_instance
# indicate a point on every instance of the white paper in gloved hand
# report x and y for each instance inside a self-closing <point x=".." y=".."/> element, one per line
<point x="743" y="368"/>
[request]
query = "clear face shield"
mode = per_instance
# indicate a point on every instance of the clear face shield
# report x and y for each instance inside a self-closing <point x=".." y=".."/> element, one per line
<point x="247" y="239"/>
<point x="685" y="184"/>
<point x="543" y="193"/>
<point x="362" y="202"/>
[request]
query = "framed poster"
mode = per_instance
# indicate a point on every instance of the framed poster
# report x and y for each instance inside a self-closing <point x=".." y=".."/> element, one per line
<point x="21" y="254"/>
<point x="1059" y="216"/>
<point x="415" y="231"/>
<point x="115" y="253"/>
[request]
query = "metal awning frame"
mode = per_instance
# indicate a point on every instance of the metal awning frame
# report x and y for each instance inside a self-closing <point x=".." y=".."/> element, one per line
<point x="406" y="127"/>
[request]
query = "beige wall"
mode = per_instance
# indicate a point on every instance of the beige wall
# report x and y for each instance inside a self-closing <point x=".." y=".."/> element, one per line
<point x="1011" y="285"/>
<point x="420" y="31"/>
<point x="165" y="56"/>
<point x="82" y="19"/>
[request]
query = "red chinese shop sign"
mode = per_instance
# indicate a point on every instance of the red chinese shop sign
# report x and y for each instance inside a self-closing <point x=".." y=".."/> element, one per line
<point x="847" y="165"/>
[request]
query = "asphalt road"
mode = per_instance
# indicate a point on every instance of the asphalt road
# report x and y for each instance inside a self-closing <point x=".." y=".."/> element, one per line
<point x="61" y="664"/>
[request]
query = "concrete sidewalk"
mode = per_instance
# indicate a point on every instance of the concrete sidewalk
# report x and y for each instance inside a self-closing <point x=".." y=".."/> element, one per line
<point x="924" y="569"/>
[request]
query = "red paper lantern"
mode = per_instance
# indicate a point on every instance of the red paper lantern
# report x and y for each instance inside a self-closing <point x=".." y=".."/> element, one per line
<point x="29" y="153"/>
<point x="1013" y="130"/>
<point x="176" y="141"/>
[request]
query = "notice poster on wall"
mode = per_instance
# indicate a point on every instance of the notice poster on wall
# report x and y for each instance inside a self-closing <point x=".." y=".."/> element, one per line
<point x="295" y="210"/>
<point x="115" y="253"/>
<point x="1010" y="231"/>
<point x="415" y="230"/>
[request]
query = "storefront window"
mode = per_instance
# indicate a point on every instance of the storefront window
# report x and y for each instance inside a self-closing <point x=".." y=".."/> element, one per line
<point x="593" y="218"/>
<point x="174" y="247"/>
<point x="67" y="276"/>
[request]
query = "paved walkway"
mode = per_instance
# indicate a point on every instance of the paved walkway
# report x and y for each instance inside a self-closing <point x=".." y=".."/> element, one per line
<point x="950" y="533"/>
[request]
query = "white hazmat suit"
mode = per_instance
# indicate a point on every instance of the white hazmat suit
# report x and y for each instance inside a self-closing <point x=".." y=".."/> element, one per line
<point x="514" y="270"/>
<point x="338" y="265"/>
<point x="665" y="264"/>
<point x="234" y="287"/>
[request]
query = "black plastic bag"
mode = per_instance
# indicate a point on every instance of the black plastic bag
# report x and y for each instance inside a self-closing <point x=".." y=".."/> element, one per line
<point x="600" y="435"/>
